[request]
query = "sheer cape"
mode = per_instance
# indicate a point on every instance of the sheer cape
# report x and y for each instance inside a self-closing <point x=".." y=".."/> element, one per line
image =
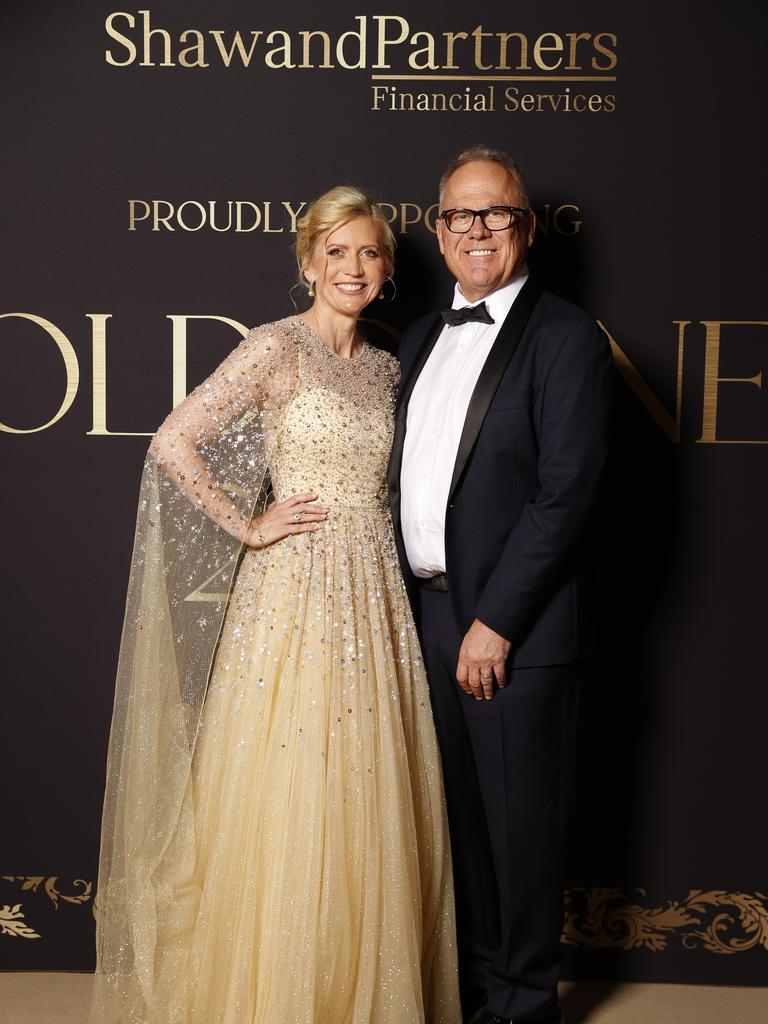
<point x="204" y="477"/>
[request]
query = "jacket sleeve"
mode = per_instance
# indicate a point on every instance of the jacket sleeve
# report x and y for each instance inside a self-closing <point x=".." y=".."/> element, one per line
<point x="573" y="425"/>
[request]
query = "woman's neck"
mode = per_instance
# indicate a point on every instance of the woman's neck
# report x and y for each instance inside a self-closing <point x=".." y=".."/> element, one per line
<point x="339" y="333"/>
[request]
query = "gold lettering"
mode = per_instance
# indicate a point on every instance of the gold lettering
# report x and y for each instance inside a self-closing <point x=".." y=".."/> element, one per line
<point x="99" y="348"/>
<point x="219" y="573"/>
<point x="429" y="50"/>
<point x="478" y="35"/>
<point x="239" y="216"/>
<point x="132" y="218"/>
<point x="126" y="42"/>
<point x="165" y="36"/>
<point x="450" y="42"/>
<point x="212" y="215"/>
<point x="670" y="425"/>
<point x="573" y="42"/>
<point x="284" y="49"/>
<point x="198" y="49"/>
<point x="157" y="219"/>
<point x="522" y="64"/>
<point x="71" y="367"/>
<point x="539" y="47"/>
<point x="380" y="93"/>
<point x="572" y="226"/>
<point x="179" y="344"/>
<point x="712" y="380"/>
<point x="180" y="218"/>
<point x="405" y="220"/>
<point x="293" y="214"/>
<point x="389" y="210"/>
<point x="543" y="220"/>
<point x="612" y="58"/>
<point x="360" y="38"/>
<point x="237" y="44"/>
<point x="267" y="229"/>
<point x="307" y="37"/>
<point x="384" y="41"/>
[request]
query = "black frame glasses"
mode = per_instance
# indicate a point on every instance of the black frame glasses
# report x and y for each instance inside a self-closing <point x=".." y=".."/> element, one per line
<point x="447" y="216"/>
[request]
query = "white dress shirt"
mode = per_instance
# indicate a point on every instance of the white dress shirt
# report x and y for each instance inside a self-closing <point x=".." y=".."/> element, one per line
<point x="436" y="414"/>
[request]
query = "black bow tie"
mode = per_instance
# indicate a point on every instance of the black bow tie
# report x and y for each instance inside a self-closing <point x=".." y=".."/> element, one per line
<point x="454" y="317"/>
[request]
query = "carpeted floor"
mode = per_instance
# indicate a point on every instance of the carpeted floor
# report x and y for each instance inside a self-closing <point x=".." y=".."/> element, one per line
<point x="37" y="998"/>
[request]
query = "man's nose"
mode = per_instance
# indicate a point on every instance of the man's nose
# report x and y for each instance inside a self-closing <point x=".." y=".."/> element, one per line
<point x="478" y="229"/>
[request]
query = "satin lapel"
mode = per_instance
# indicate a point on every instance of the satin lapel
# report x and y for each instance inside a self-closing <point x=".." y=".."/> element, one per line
<point x="490" y="376"/>
<point x="401" y="417"/>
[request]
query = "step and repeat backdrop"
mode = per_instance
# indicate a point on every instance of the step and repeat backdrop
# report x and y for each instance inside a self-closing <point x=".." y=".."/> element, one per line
<point x="155" y="161"/>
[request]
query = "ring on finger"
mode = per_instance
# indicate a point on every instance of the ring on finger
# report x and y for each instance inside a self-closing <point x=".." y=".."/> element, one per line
<point x="486" y="676"/>
<point x="297" y="517"/>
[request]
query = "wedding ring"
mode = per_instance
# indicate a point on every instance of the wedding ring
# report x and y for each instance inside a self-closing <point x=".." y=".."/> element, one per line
<point x="487" y="676"/>
<point x="297" y="517"/>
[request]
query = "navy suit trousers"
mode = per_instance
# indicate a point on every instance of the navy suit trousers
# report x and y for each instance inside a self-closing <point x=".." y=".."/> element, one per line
<point x="508" y="767"/>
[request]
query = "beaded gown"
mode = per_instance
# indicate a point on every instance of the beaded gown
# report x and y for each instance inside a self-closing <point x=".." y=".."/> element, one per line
<point x="302" y="871"/>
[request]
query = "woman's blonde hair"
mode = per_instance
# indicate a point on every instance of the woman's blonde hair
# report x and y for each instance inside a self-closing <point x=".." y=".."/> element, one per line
<point x="333" y="208"/>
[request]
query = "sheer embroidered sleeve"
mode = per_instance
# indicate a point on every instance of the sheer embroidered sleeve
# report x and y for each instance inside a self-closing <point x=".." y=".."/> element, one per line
<point x="204" y="477"/>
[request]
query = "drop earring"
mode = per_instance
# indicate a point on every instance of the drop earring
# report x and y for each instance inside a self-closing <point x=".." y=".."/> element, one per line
<point x="381" y="290"/>
<point x="311" y="291"/>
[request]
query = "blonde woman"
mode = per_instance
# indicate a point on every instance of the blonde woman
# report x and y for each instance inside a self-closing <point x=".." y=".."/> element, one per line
<point x="274" y="843"/>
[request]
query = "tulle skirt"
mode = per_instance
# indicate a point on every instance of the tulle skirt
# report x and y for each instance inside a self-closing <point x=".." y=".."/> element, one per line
<point x="319" y="888"/>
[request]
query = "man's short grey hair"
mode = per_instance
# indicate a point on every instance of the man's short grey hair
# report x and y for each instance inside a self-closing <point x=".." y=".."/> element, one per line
<point x="496" y="156"/>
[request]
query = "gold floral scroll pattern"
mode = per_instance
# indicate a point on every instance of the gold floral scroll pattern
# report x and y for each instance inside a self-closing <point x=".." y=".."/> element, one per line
<point x="12" y="920"/>
<point x="714" y="920"/>
<point x="12" y="923"/>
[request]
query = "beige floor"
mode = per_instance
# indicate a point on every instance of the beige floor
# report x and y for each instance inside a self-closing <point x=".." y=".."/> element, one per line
<point x="37" y="998"/>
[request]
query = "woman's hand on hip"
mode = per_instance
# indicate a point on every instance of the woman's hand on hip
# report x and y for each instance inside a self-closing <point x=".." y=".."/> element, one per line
<point x="298" y="514"/>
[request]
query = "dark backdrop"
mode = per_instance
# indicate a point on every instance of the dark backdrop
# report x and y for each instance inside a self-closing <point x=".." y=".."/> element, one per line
<point x="643" y="149"/>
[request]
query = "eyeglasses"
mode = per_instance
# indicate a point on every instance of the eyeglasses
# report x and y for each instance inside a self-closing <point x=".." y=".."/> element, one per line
<point x="495" y="218"/>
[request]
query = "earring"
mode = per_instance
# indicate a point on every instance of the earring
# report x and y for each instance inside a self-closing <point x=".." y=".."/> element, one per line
<point x="381" y="290"/>
<point x="311" y="291"/>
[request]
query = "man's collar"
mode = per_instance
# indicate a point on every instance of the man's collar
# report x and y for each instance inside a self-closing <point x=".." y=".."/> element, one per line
<point x="497" y="303"/>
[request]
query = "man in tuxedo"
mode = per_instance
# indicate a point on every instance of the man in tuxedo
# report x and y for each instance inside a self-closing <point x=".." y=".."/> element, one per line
<point x="500" y="438"/>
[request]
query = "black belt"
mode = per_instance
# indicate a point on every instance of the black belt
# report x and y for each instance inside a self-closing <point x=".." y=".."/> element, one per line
<point x="439" y="582"/>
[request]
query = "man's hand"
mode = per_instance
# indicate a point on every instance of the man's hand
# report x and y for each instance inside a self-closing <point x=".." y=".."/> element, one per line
<point x="482" y="658"/>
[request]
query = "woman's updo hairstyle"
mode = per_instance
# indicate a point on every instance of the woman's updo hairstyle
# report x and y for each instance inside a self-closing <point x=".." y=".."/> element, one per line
<point x="332" y="209"/>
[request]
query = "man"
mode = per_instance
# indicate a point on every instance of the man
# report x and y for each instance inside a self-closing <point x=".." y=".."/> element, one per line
<point x="500" y="438"/>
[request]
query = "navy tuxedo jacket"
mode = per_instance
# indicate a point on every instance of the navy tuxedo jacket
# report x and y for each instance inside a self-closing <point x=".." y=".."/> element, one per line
<point x="529" y="461"/>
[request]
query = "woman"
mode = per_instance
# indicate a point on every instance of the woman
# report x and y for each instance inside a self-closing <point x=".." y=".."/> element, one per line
<point x="275" y="846"/>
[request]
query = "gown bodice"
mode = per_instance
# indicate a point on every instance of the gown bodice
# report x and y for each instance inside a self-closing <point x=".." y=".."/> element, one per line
<point x="335" y="434"/>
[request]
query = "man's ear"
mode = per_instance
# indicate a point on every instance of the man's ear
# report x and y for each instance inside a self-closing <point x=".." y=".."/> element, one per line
<point x="531" y="227"/>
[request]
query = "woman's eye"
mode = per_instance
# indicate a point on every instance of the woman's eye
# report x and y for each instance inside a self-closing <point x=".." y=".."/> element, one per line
<point x="370" y="253"/>
<point x="334" y="252"/>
